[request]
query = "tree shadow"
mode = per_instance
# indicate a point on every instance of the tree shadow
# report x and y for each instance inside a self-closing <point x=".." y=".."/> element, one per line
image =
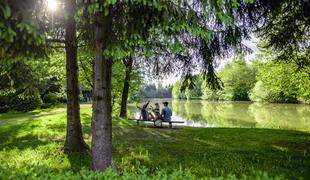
<point x="30" y="132"/>
<point x="16" y="117"/>
<point x="214" y="151"/>
<point x="86" y="123"/>
<point x="21" y="143"/>
<point x="79" y="161"/>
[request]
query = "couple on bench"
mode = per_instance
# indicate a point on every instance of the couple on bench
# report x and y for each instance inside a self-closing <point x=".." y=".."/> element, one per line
<point x="154" y="113"/>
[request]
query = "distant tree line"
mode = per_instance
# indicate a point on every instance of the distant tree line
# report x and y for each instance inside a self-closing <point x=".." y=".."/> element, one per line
<point x="264" y="80"/>
<point x="153" y="91"/>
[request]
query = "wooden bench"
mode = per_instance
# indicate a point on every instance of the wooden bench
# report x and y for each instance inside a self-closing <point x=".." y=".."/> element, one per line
<point x="160" y="121"/>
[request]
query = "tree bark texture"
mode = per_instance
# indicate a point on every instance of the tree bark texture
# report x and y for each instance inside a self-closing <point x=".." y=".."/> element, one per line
<point x="74" y="137"/>
<point x="101" y="119"/>
<point x="128" y="65"/>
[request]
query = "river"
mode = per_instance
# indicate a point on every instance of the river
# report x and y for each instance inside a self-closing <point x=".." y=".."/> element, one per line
<point x="200" y="113"/>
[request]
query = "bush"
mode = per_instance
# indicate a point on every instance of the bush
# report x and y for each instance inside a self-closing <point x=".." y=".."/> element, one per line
<point x="260" y="93"/>
<point x="46" y="105"/>
<point x="50" y="98"/>
<point x="61" y="97"/>
<point x="4" y="108"/>
<point x="238" y="78"/>
<point x="281" y="83"/>
<point x="26" y="102"/>
<point x="210" y="95"/>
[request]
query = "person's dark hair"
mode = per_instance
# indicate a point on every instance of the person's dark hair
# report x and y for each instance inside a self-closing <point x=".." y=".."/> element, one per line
<point x="165" y="103"/>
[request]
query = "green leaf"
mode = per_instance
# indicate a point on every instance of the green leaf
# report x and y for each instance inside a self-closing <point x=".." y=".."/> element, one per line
<point x="6" y="11"/>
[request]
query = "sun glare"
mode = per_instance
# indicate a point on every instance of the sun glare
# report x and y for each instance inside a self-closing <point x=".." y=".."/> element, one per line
<point x="52" y="5"/>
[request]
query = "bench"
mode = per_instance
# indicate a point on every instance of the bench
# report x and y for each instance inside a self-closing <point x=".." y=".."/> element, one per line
<point x="160" y="121"/>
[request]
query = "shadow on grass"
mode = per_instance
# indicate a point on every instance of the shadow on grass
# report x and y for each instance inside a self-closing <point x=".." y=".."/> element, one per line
<point x="24" y="142"/>
<point x="32" y="133"/>
<point x="86" y="123"/>
<point x="203" y="151"/>
<point x="79" y="161"/>
<point x="16" y="117"/>
<point x="214" y="151"/>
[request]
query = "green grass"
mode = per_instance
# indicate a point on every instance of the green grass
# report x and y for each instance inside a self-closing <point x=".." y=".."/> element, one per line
<point x="31" y="147"/>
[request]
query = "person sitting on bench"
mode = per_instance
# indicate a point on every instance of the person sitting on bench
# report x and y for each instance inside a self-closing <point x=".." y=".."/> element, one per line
<point x="166" y="113"/>
<point x="145" y="115"/>
<point x="156" y="111"/>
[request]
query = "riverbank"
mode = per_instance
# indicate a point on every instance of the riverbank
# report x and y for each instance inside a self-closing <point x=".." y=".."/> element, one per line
<point x="31" y="147"/>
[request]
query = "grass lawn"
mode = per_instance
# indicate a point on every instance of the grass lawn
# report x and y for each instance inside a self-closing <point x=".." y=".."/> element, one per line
<point x="31" y="147"/>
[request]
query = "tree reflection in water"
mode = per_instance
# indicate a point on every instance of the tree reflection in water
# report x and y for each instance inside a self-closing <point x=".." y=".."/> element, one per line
<point x="200" y="113"/>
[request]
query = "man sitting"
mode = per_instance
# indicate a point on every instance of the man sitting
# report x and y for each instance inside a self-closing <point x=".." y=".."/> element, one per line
<point x="166" y="113"/>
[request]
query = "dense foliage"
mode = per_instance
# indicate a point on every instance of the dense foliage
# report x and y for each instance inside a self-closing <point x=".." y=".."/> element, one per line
<point x="20" y="33"/>
<point x="42" y="82"/>
<point x="27" y="83"/>
<point x="189" y="92"/>
<point x="237" y="77"/>
<point x="280" y="82"/>
<point x="118" y="77"/>
<point x="264" y="80"/>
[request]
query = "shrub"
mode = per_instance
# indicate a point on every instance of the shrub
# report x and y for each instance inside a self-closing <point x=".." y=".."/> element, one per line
<point x="61" y="97"/>
<point x="46" y="105"/>
<point x="50" y="98"/>
<point x="4" y="108"/>
<point x="260" y="93"/>
<point x="25" y="102"/>
<point x="281" y="83"/>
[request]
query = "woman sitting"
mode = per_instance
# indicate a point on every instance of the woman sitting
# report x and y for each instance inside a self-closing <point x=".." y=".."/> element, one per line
<point x="156" y="111"/>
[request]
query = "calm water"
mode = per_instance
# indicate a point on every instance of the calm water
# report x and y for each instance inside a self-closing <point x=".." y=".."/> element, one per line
<point x="199" y="113"/>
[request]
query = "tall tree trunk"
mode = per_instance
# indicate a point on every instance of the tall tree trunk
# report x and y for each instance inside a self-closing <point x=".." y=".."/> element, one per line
<point x="102" y="120"/>
<point x="128" y="65"/>
<point x="74" y="137"/>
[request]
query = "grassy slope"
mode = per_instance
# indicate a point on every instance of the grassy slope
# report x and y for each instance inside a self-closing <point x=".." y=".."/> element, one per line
<point x="31" y="143"/>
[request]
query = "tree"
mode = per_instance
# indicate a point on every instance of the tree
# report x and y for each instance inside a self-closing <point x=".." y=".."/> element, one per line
<point x="176" y="91"/>
<point x="19" y="84"/>
<point x="20" y="36"/>
<point x="128" y="65"/>
<point x="279" y="82"/>
<point x="238" y="79"/>
<point x="21" y="40"/>
<point x="74" y="136"/>
<point x="101" y="119"/>
<point x="285" y="27"/>
<point x="188" y="93"/>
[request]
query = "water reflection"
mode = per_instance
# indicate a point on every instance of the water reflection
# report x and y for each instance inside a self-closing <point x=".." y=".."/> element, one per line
<point x="200" y="113"/>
